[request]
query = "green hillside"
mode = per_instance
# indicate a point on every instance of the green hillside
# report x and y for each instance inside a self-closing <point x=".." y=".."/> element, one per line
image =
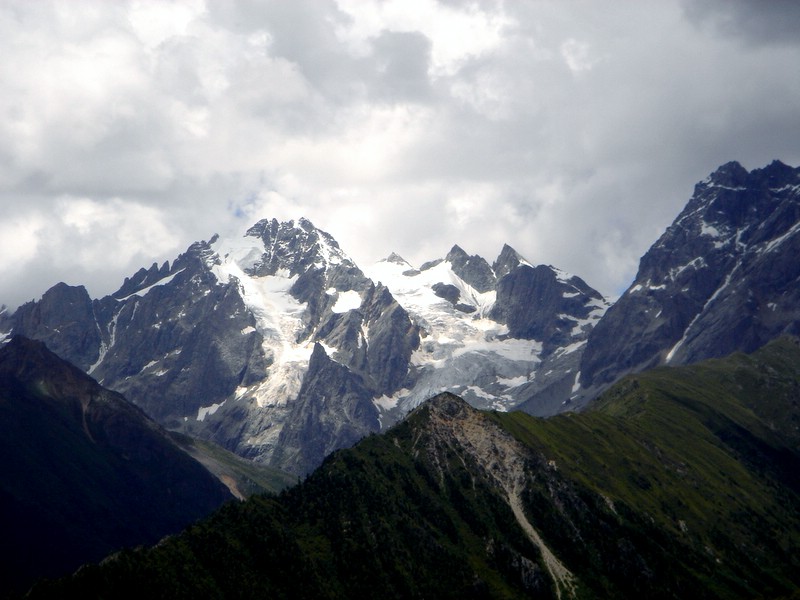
<point x="703" y="459"/>
<point x="243" y="477"/>
<point x="679" y="483"/>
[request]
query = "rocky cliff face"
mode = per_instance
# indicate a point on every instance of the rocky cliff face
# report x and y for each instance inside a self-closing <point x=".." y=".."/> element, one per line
<point x="165" y="346"/>
<point x="722" y="278"/>
<point x="64" y="320"/>
<point x="334" y="410"/>
<point x="474" y="270"/>
<point x="541" y="303"/>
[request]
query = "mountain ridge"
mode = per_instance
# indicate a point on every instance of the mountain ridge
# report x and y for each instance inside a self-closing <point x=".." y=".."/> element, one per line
<point x="721" y="278"/>
<point x="667" y="488"/>
<point x="84" y="472"/>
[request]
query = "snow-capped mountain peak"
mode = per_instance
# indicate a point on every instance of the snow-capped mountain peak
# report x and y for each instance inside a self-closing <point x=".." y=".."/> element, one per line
<point x="295" y="247"/>
<point x="474" y="346"/>
<point x="270" y="339"/>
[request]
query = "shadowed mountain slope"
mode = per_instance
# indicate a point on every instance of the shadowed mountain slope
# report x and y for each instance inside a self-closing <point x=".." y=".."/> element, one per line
<point x="84" y="472"/>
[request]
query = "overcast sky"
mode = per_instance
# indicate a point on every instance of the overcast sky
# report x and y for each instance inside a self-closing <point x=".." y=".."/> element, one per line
<point x="573" y="131"/>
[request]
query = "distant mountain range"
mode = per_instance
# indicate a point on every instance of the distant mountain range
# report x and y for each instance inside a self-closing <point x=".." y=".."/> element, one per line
<point x="676" y="483"/>
<point x="668" y="482"/>
<point x="278" y="347"/>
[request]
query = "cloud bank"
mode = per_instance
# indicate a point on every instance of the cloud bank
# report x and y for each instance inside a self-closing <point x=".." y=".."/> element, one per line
<point x="572" y="131"/>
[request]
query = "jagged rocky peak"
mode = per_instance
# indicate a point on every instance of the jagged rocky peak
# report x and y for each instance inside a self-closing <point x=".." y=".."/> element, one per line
<point x="777" y="174"/>
<point x="731" y="174"/>
<point x="721" y="278"/>
<point x="64" y="319"/>
<point x="396" y="259"/>
<point x="730" y="196"/>
<point x="142" y="278"/>
<point x="198" y="255"/>
<point x="474" y="270"/>
<point x="508" y="260"/>
<point x="295" y="247"/>
<point x="734" y="175"/>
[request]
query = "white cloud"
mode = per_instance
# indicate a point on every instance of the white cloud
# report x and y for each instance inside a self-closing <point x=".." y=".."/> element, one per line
<point x="457" y="33"/>
<point x="155" y="23"/>
<point x="573" y="131"/>
<point x="578" y="55"/>
<point x="19" y="242"/>
<point x="111" y="233"/>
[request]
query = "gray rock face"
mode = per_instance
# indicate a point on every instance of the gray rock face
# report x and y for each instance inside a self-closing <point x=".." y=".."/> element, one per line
<point x="538" y="303"/>
<point x="472" y="269"/>
<point x="508" y="260"/>
<point x="333" y="410"/>
<point x="142" y="279"/>
<point x="167" y="349"/>
<point x="392" y="337"/>
<point x="447" y="291"/>
<point x="722" y="278"/>
<point x="64" y="320"/>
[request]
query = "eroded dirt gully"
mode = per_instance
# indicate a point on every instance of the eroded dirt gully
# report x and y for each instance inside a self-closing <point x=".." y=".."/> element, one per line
<point x="503" y="459"/>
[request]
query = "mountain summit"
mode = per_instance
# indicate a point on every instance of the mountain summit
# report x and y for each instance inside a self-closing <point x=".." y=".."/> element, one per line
<point x="722" y="278"/>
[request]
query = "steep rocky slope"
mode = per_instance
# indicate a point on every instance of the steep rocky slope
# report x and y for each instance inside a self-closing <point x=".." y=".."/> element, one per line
<point x="723" y="277"/>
